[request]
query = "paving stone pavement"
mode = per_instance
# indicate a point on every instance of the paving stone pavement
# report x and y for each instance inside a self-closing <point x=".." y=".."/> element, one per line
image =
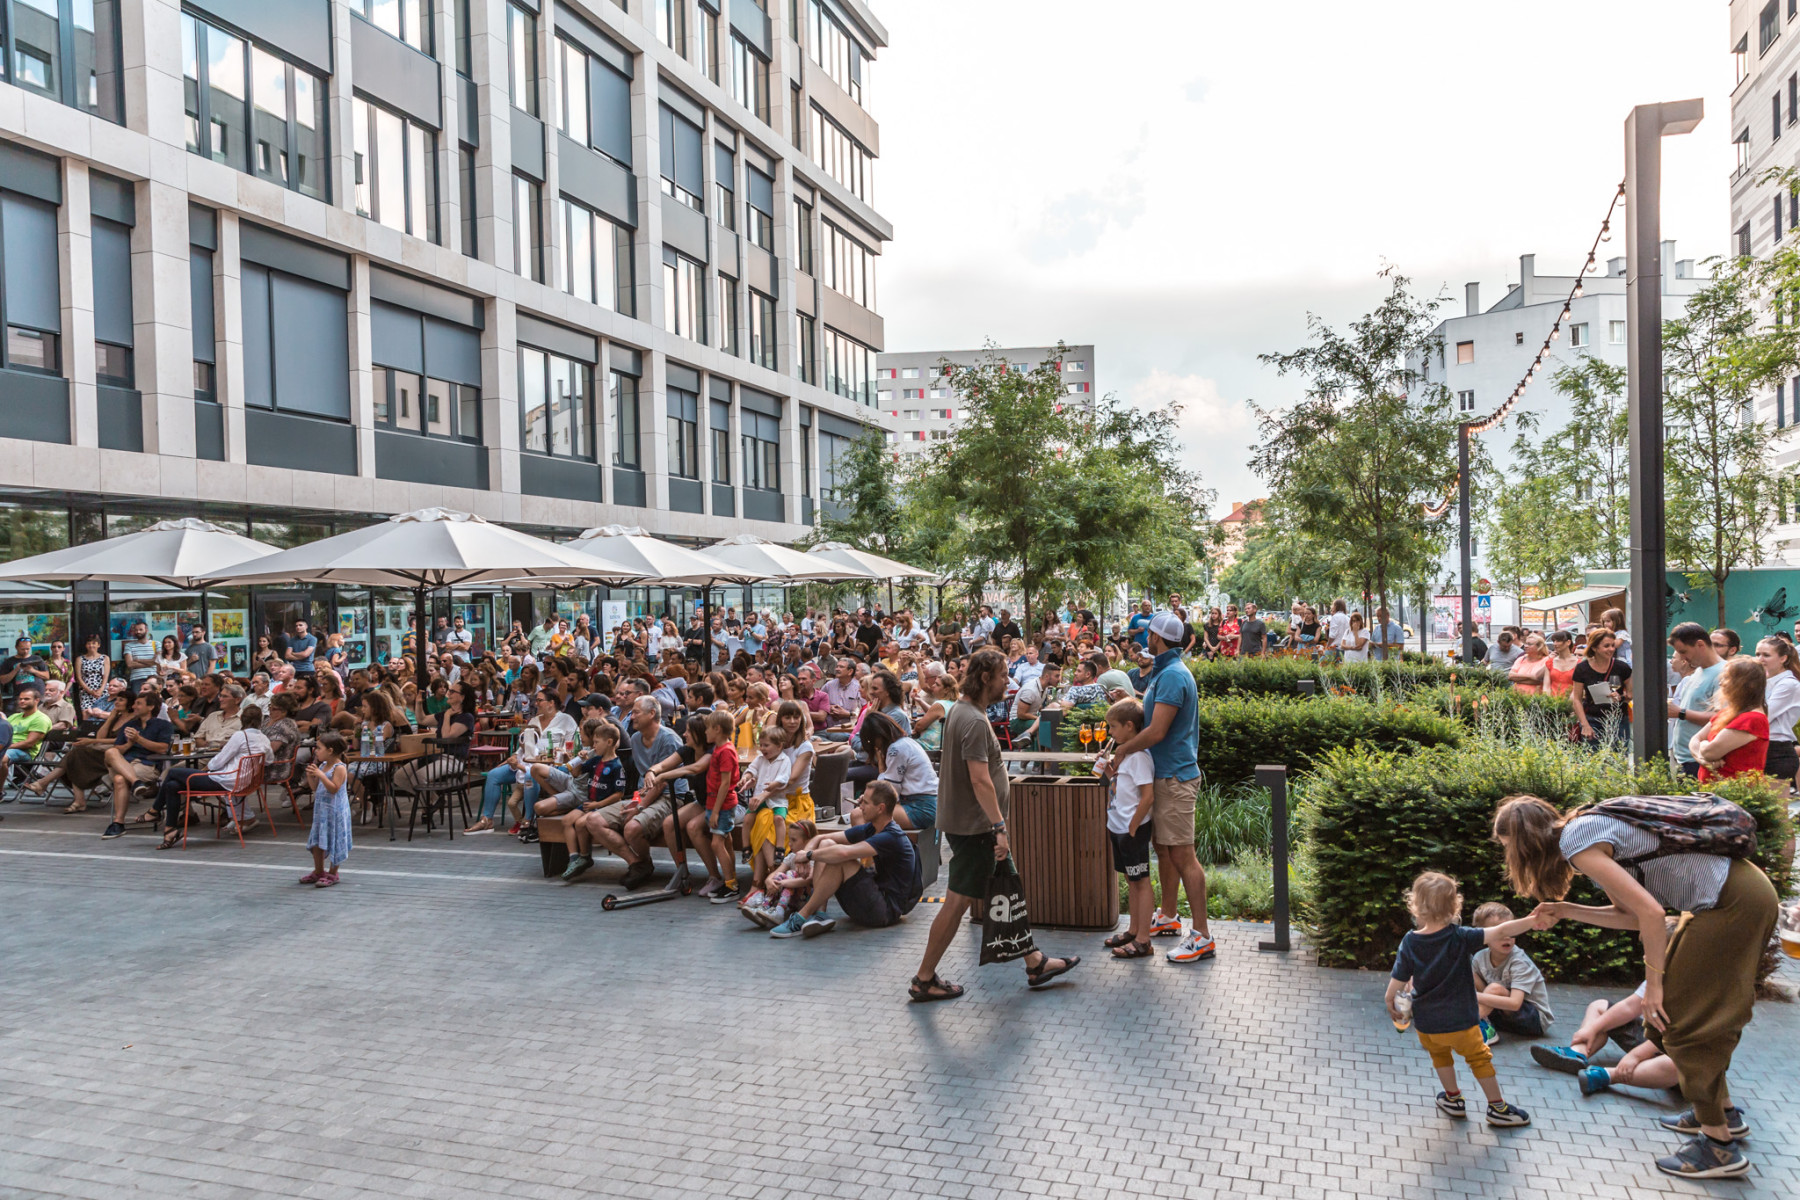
<point x="447" y="1023"/>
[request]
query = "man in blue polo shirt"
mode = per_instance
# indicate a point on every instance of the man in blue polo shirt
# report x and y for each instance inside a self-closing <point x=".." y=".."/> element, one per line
<point x="1139" y="625"/>
<point x="1171" y="734"/>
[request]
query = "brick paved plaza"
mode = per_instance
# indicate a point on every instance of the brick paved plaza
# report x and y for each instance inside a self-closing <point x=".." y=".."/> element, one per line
<point x="449" y="1024"/>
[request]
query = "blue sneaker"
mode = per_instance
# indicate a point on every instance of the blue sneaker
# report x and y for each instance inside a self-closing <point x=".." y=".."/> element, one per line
<point x="1566" y="1059"/>
<point x="1489" y="1034"/>
<point x="1687" y="1123"/>
<point x="1594" y="1080"/>
<point x="789" y="928"/>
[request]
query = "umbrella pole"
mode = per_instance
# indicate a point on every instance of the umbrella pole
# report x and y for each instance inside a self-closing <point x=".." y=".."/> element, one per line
<point x="420" y="675"/>
<point x="206" y="623"/>
<point x="706" y="661"/>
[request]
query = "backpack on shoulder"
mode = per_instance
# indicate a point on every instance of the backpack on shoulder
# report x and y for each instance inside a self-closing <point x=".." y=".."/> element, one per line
<point x="1698" y="824"/>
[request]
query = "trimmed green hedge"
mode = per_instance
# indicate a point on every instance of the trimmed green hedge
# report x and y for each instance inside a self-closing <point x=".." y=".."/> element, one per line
<point x="1237" y="735"/>
<point x="1502" y="711"/>
<point x="1372" y="820"/>
<point x="1371" y="680"/>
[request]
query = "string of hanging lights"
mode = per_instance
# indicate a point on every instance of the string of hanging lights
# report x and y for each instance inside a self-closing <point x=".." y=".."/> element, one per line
<point x="1483" y="424"/>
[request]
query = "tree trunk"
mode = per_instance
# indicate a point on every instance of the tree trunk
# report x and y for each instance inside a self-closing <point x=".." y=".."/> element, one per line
<point x="1719" y="578"/>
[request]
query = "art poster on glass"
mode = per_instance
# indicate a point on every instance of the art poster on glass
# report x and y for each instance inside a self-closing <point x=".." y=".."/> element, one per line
<point x="41" y="627"/>
<point x="230" y="632"/>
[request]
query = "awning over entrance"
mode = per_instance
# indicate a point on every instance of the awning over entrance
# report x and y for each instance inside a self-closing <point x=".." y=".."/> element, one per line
<point x="1569" y="599"/>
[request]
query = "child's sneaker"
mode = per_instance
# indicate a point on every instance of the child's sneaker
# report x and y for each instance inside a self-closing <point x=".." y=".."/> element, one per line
<point x="1506" y="1116"/>
<point x="577" y="864"/>
<point x="756" y="900"/>
<point x="1489" y="1034"/>
<point x="1193" y="948"/>
<point x="770" y="917"/>
<point x="789" y="928"/>
<point x="727" y="893"/>
<point x="1686" y="1123"/>
<point x="1452" y="1106"/>
<point x="1566" y="1059"/>
<point x="1594" y="1080"/>
<point x="1703" y="1158"/>
<point x="1161" y="926"/>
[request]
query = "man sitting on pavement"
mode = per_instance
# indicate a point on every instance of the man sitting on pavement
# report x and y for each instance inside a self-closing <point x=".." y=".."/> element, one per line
<point x="872" y="870"/>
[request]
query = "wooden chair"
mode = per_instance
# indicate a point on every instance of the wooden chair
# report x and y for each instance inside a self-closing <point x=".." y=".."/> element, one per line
<point x="246" y="783"/>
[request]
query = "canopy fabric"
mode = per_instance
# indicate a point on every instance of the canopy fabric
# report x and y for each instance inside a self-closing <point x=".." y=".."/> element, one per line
<point x="174" y="554"/>
<point x="1570" y="599"/>
<point x="747" y="558"/>
<point x="881" y="568"/>
<point x="430" y="548"/>
<point x="655" y="560"/>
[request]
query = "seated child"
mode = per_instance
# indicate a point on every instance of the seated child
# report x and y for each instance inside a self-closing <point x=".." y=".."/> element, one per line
<point x="605" y="787"/>
<point x="1436" y="957"/>
<point x="1513" y="996"/>
<point x="789" y="884"/>
<point x="765" y="783"/>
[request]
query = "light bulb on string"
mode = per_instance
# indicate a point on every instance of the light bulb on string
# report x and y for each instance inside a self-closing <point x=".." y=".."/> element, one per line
<point x="1555" y="332"/>
<point x="1577" y="293"/>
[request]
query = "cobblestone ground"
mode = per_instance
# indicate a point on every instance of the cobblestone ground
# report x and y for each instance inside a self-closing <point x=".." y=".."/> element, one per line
<point x="447" y="1023"/>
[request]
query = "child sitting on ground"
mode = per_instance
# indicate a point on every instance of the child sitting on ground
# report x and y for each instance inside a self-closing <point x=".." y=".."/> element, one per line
<point x="1513" y="996"/>
<point x="789" y="884"/>
<point x="1436" y="958"/>
<point x="765" y="782"/>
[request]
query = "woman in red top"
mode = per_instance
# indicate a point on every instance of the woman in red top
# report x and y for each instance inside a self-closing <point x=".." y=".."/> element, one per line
<point x="1737" y="740"/>
<point x="1229" y="635"/>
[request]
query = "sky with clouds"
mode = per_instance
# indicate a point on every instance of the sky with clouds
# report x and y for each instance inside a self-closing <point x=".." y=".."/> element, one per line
<point x="1180" y="182"/>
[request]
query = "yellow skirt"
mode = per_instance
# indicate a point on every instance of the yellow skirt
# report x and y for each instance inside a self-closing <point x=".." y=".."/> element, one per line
<point x="762" y="826"/>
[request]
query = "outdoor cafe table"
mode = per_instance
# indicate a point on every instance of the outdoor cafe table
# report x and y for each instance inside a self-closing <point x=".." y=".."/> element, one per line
<point x="384" y="778"/>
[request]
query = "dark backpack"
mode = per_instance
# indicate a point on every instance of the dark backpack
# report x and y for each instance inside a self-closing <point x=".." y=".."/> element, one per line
<point x="1697" y="824"/>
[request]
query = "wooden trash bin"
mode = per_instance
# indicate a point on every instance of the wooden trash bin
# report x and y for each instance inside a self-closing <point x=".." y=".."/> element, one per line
<point x="554" y="838"/>
<point x="1057" y="826"/>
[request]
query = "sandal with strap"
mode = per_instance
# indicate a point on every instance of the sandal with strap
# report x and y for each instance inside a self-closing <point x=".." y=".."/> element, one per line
<point x="924" y="991"/>
<point x="1122" y="938"/>
<point x="170" y="840"/>
<point x="1045" y="972"/>
<point x="1133" y="950"/>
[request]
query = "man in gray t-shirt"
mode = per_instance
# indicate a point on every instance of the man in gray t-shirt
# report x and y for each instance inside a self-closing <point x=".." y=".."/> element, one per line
<point x="625" y="828"/>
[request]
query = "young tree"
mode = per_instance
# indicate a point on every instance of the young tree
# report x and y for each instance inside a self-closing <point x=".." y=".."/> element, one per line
<point x="1371" y="443"/>
<point x="1591" y="456"/>
<point x="1536" y="535"/>
<point x="1729" y="346"/>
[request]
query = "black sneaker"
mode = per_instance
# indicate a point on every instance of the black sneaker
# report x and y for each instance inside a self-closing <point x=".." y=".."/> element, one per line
<point x="727" y="893"/>
<point x="637" y="875"/>
<point x="116" y="829"/>
<point x="1687" y="1123"/>
<point x="1507" y="1116"/>
<point x="1703" y="1158"/>
<point x="1451" y="1106"/>
<point x="529" y="834"/>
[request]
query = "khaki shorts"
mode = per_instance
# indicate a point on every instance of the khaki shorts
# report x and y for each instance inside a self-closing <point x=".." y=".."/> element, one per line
<point x="650" y="820"/>
<point x="1172" y="810"/>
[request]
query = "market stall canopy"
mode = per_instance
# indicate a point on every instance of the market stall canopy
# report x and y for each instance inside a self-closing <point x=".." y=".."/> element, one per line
<point x="747" y="558"/>
<point x="655" y="560"/>
<point x="845" y="555"/>
<point x="425" y="550"/>
<point x="173" y="554"/>
<point x="1570" y="599"/>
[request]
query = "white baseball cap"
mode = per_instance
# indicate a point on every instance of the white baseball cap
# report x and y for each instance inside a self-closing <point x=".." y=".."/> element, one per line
<point x="1167" y="626"/>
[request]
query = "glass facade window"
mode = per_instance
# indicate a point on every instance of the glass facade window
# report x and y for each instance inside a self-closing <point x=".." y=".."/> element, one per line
<point x="849" y="367"/>
<point x="671" y="24"/>
<point x="572" y="106"/>
<point x="681" y="168"/>
<point x="408" y="20"/>
<point x="684" y="304"/>
<point x="849" y="266"/>
<point x="527" y="228"/>
<point x="762" y="451"/>
<point x="68" y="50"/>
<point x="30" y="285"/>
<point x="842" y="157"/>
<point x="759" y="208"/>
<point x="803" y="238"/>
<point x="622" y="392"/>
<point x="522" y="58"/>
<point x="725" y="186"/>
<point x="555" y="404"/>
<point x="806" y="342"/>
<point x="709" y="43"/>
<point x="828" y="45"/>
<point x="721" y="442"/>
<point x="762" y="330"/>
<point x="684" y="434"/>
<point x="395" y="170"/>
<point x="465" y="178"/>
<point x="749" y="78"/>
<point x="833" y="451"/>
<point x="597" y="264"/>
<point x="728" y="314"/>
<point x="252" y="110"/>
<point x="433" y="407"/>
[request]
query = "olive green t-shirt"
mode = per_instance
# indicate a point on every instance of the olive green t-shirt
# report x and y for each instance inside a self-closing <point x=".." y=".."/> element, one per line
<point x="969" y="745"/>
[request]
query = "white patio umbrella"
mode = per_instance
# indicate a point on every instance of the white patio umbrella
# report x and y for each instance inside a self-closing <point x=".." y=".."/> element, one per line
<point x="747" y="558"/>
<point x="426" y="550"/>
<point x="881" y="568"/>
<point x="655" y="560"/>
<point x="173" y="554"/>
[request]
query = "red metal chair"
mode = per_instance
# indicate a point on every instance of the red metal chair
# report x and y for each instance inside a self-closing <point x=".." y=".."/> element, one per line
<point x="246" y="783"/>
<point x="280" y="773"/>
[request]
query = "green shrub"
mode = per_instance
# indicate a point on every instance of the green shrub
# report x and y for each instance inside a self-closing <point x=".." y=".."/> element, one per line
<point x="1244" y="890"/>
<point x="1502" y="713"/>
<point x="1230" y="820"/>
<point x="1237" y="735"/>
<point x="1371" y="680"/>
<point x="1372" y="819"/>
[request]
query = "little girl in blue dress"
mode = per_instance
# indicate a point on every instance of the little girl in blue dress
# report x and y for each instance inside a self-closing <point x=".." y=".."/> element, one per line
<point x="329" y="840"/>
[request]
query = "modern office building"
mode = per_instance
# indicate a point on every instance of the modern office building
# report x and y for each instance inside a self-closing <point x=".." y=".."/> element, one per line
<point x="919" y="402"/>
<point x="301" y="264"/>
<point x="1765" y="131"/>
<point x="1486" y="352"/>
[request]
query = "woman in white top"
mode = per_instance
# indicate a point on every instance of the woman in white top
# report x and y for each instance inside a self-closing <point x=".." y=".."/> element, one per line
<point x="899" y="759"/>
<point x="1355" y="642"/>
<point x="170" y="662"/>
<point x="671" y="641"/>
<point x="1338" y="628"/>
<point x="219" y="774"/>
<point x="549" y="731"/>
<point x="1781" y="698"/>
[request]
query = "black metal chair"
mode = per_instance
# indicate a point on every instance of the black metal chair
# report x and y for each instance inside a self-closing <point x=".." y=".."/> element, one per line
<point x="437" y="780"/>
<point x="22" y="775"/>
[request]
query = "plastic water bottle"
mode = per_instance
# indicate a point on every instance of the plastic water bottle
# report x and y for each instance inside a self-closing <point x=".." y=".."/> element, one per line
<point x="1403" y="1005"/>
<point x="380" y="743"/>
<point x="364" y="744"/>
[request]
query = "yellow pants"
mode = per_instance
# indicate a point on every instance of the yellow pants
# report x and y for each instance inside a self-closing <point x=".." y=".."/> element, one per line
<point x="762" y="826"/>
<point x="1444" y="1047"/>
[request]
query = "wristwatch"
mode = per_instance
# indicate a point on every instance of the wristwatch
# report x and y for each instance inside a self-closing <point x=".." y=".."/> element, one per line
<point x="998" y="827"/>
<point x="1681" y="713"/>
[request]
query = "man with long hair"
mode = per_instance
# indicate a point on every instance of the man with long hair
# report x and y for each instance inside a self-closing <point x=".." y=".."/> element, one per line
<point x="972" y="804"/>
